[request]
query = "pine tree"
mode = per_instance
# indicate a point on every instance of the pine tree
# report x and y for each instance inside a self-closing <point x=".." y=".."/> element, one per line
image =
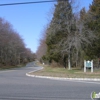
<point x="95" y="14"/>
<point x="59" y="29"/>
<point x="83" y="14"/>
<point x="67" y="35"/>
<point x="94" y="24"/>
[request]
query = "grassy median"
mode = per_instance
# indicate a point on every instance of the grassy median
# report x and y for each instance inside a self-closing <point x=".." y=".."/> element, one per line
<point x="62" y="72"/>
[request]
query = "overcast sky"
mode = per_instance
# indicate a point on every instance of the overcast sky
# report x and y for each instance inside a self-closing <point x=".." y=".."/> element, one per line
<point x="30" y="20"/>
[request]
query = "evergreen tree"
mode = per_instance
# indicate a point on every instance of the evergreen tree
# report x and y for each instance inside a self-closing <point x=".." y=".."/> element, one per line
<point x="94" y="25"/>
<point x="83" y="14"/>
<point x="58" y="30"/>
<point x="67" y="35"/>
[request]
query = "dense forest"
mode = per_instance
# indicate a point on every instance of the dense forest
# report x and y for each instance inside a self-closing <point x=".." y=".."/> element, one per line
<point x="13" y="51"/>
<point x="71" y="37"/>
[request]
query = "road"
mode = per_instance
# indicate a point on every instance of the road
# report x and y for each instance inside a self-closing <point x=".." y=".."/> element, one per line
<point x="15" y="85"/>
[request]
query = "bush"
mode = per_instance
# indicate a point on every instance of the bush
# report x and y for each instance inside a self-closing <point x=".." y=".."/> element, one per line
<point x="55" y="64"/>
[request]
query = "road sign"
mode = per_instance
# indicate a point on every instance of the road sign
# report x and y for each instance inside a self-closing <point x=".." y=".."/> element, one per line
<point x="88" y="64"/>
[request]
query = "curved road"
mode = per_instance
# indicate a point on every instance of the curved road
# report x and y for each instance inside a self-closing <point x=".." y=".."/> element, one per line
<point x="15" y="85"/>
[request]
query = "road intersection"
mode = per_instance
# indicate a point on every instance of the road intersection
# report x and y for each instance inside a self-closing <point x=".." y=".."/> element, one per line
<point x="15" y="85"/>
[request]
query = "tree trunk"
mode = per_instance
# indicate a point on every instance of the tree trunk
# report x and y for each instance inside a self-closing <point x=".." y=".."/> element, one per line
<point x="76" y="58"/>
<point x="69" y="65"/>
<point x="98" y="62"/>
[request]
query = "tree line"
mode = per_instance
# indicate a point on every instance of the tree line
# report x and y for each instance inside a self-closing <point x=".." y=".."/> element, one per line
<point x="71" y="38"/>
<point x="13" y="51"/>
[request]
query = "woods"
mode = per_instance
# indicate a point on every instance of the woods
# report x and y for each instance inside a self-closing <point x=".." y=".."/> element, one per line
<point x="70" y="37"/>
<point x="13" y="51"/>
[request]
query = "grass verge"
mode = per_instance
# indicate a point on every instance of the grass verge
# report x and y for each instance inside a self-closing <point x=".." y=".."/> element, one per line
<point x="62" y="72"/>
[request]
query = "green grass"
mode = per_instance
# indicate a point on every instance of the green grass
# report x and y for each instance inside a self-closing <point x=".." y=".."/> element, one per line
<point x="62" y="72"/>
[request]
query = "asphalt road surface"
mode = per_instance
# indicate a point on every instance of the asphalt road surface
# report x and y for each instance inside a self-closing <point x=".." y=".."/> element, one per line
<point x="15" y="85"/>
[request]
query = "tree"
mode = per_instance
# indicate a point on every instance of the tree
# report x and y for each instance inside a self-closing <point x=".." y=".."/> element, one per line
<point x="67" y="35"/>
<point x="41" y="51"/>
<point x="11" y="45"/>
<point x="94" y="25"/>
<point x="57" y="30"/>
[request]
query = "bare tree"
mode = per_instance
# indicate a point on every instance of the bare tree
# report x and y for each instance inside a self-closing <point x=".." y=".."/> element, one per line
<point x="78" y="36"/>
<point x="42" y="48"/>
<point x="11" y="45"/>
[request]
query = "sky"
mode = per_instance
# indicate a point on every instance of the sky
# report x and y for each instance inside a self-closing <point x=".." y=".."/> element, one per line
<point x="29" y="20"/>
